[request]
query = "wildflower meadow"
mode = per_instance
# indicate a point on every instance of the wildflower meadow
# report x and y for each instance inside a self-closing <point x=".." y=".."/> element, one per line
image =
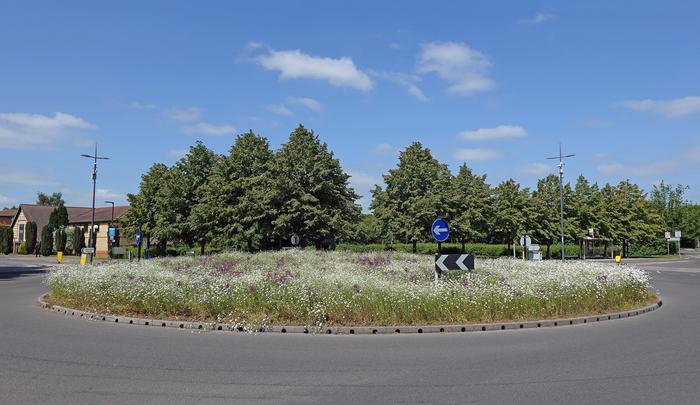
<point x="340" y="288"/>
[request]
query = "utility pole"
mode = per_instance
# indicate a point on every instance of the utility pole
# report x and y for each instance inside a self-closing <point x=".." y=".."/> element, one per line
<point x="95" y="157"/>
<point x="561" y="196"/>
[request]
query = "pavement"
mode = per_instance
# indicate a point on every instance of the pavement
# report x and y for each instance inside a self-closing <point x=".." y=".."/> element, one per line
<point x="649" y="359"/>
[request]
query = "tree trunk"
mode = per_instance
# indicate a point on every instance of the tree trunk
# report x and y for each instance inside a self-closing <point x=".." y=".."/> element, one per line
<point x="549" y="256"/>
<point x="201" y="248"/>
<point x="463" y="243"/>
<point x="415" y="247"/>
<point x="250" y="245"/>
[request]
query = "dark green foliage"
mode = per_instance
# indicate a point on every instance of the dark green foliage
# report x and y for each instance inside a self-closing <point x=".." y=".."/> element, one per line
<point x="54" y="199"/>
<point x="255" y="199"/>
<point x="477" y="249"/>
<point x="46" y="241"/>
<point x="78" y="239"/>
<point x="234" y="204"/>
<point x="309" y="192"/>
<point x="60" y="239"/>
<point x="30" y="236"/>
<point x="470" y="206"/>
<point x="6" y="238"/>
<point x="414" y="196"/>
<point x="58" y="217"/>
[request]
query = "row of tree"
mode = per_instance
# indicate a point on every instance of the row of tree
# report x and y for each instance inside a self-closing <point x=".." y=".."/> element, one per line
<point x="421" y="188"/>
<point x="255" y="198"/>
<point x="252" y="198"/>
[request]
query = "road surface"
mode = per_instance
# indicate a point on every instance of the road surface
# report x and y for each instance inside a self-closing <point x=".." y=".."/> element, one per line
<point x="654" y="358"/>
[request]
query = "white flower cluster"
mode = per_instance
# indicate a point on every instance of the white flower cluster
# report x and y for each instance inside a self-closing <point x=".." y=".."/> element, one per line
<point x="320" y="288"/>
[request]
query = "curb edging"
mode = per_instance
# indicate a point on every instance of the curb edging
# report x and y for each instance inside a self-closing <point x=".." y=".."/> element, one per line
<point x="347" y="330"/>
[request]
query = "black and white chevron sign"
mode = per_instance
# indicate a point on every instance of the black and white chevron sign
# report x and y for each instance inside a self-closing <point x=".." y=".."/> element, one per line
<point x="454" y="262"/>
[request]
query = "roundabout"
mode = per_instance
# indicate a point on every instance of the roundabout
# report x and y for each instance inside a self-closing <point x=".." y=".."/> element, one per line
<point x="644" y="359"/>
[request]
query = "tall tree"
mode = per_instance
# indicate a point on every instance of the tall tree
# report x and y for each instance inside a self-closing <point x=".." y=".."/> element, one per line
<point x="310" y="191"/>
<point x="54" y="199"/>
<point x="235" y="202"/>
<point x="510" y="208"/>
<point x="669" y="202"/>
<point x="178" y="194"/>
<point x="690" y="224"/>
<point x="58" y="218"/>
<point x="31" y="238"/>
<point x="143" y="206"/>
<point x="470" y="206"/>
<point x="543" y="221"/>
<point x="415" y="195"/>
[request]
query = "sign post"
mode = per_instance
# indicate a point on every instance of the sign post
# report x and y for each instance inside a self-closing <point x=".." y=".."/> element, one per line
<point x="525" y="242"/>
<point x="138" y="243"/>
<point x="440" y="232"/>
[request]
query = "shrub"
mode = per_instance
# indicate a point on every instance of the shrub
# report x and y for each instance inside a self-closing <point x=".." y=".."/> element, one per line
<point x="477" y="249"/>
<point x="30" y="230"/>
<point x="60" y="239"/>
<point x="78" y="240"/>
<point x="655" y="247"/>
<point x="6" y="239"/>
<point x="46" y="241"/>
<point x="22" y="249"/>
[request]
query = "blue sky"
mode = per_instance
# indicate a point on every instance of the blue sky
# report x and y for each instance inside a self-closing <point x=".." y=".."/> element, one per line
<point x="496" y="84"/>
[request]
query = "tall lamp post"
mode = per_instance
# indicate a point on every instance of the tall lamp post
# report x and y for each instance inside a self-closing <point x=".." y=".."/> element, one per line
<point x="111" y="224"/>
<point x="95" y="157"/>
<point x="561" y="196"/>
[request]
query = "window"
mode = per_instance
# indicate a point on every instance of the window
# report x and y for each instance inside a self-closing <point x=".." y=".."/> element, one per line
<point x="21" y="233"/>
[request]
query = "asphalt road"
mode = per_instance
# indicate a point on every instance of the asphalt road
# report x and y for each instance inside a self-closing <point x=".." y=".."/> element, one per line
<point x="649" y="359"/>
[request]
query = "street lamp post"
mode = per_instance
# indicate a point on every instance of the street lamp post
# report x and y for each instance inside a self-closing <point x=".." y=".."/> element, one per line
<point x="95" y="157"/>
<point x="111" y="224"/>
<point x="561" y="196"/>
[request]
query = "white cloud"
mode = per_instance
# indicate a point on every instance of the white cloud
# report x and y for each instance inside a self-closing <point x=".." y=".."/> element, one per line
<point x="538" y="18"/>
<point x="189" y="114"/>
<point x="142" y="106"/>
<point x="362" y="179"/>
<point x="382" y="149"/>
<point x="476" y="154"/>
<point x="363" y="183"/>
<point x="177" y="153"/>
<point x="6" y="201"/>
<point x="294" y="64"/>
<point x="307" y="102"/>
<point x="488" y="134"/>
<point x="206" y="128"/>
<point x="36" y="131"/>
<point x="668" y="108"/>
<point x="465" y="68"/>
<point x="107" y="194"/>
<point x="405" y="80"/>
<point x="536" y="169"/>
<point x="25" y="178"/>
<point x="279" y="109"/>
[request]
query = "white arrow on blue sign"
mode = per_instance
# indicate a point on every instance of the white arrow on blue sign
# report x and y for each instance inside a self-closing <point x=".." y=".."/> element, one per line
<point x="440" y="230"/>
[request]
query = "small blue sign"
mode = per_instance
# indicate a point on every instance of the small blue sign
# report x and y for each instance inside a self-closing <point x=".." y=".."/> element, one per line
<point x="440" y="230"/>
<point x="138" y="237"/>
<point x="112" y="233"/>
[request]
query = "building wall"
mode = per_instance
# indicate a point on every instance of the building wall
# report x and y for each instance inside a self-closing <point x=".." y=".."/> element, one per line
<point x="101" y="240"/>
<point x="21" y="220"/>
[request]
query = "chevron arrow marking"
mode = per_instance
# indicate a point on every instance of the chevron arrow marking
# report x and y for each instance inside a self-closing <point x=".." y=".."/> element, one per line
<point x="460" y="262"/>
<point x="441" y="262"/>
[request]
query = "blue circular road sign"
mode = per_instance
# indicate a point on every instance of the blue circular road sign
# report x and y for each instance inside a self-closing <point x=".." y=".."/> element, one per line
<point x="440" y="230"/>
